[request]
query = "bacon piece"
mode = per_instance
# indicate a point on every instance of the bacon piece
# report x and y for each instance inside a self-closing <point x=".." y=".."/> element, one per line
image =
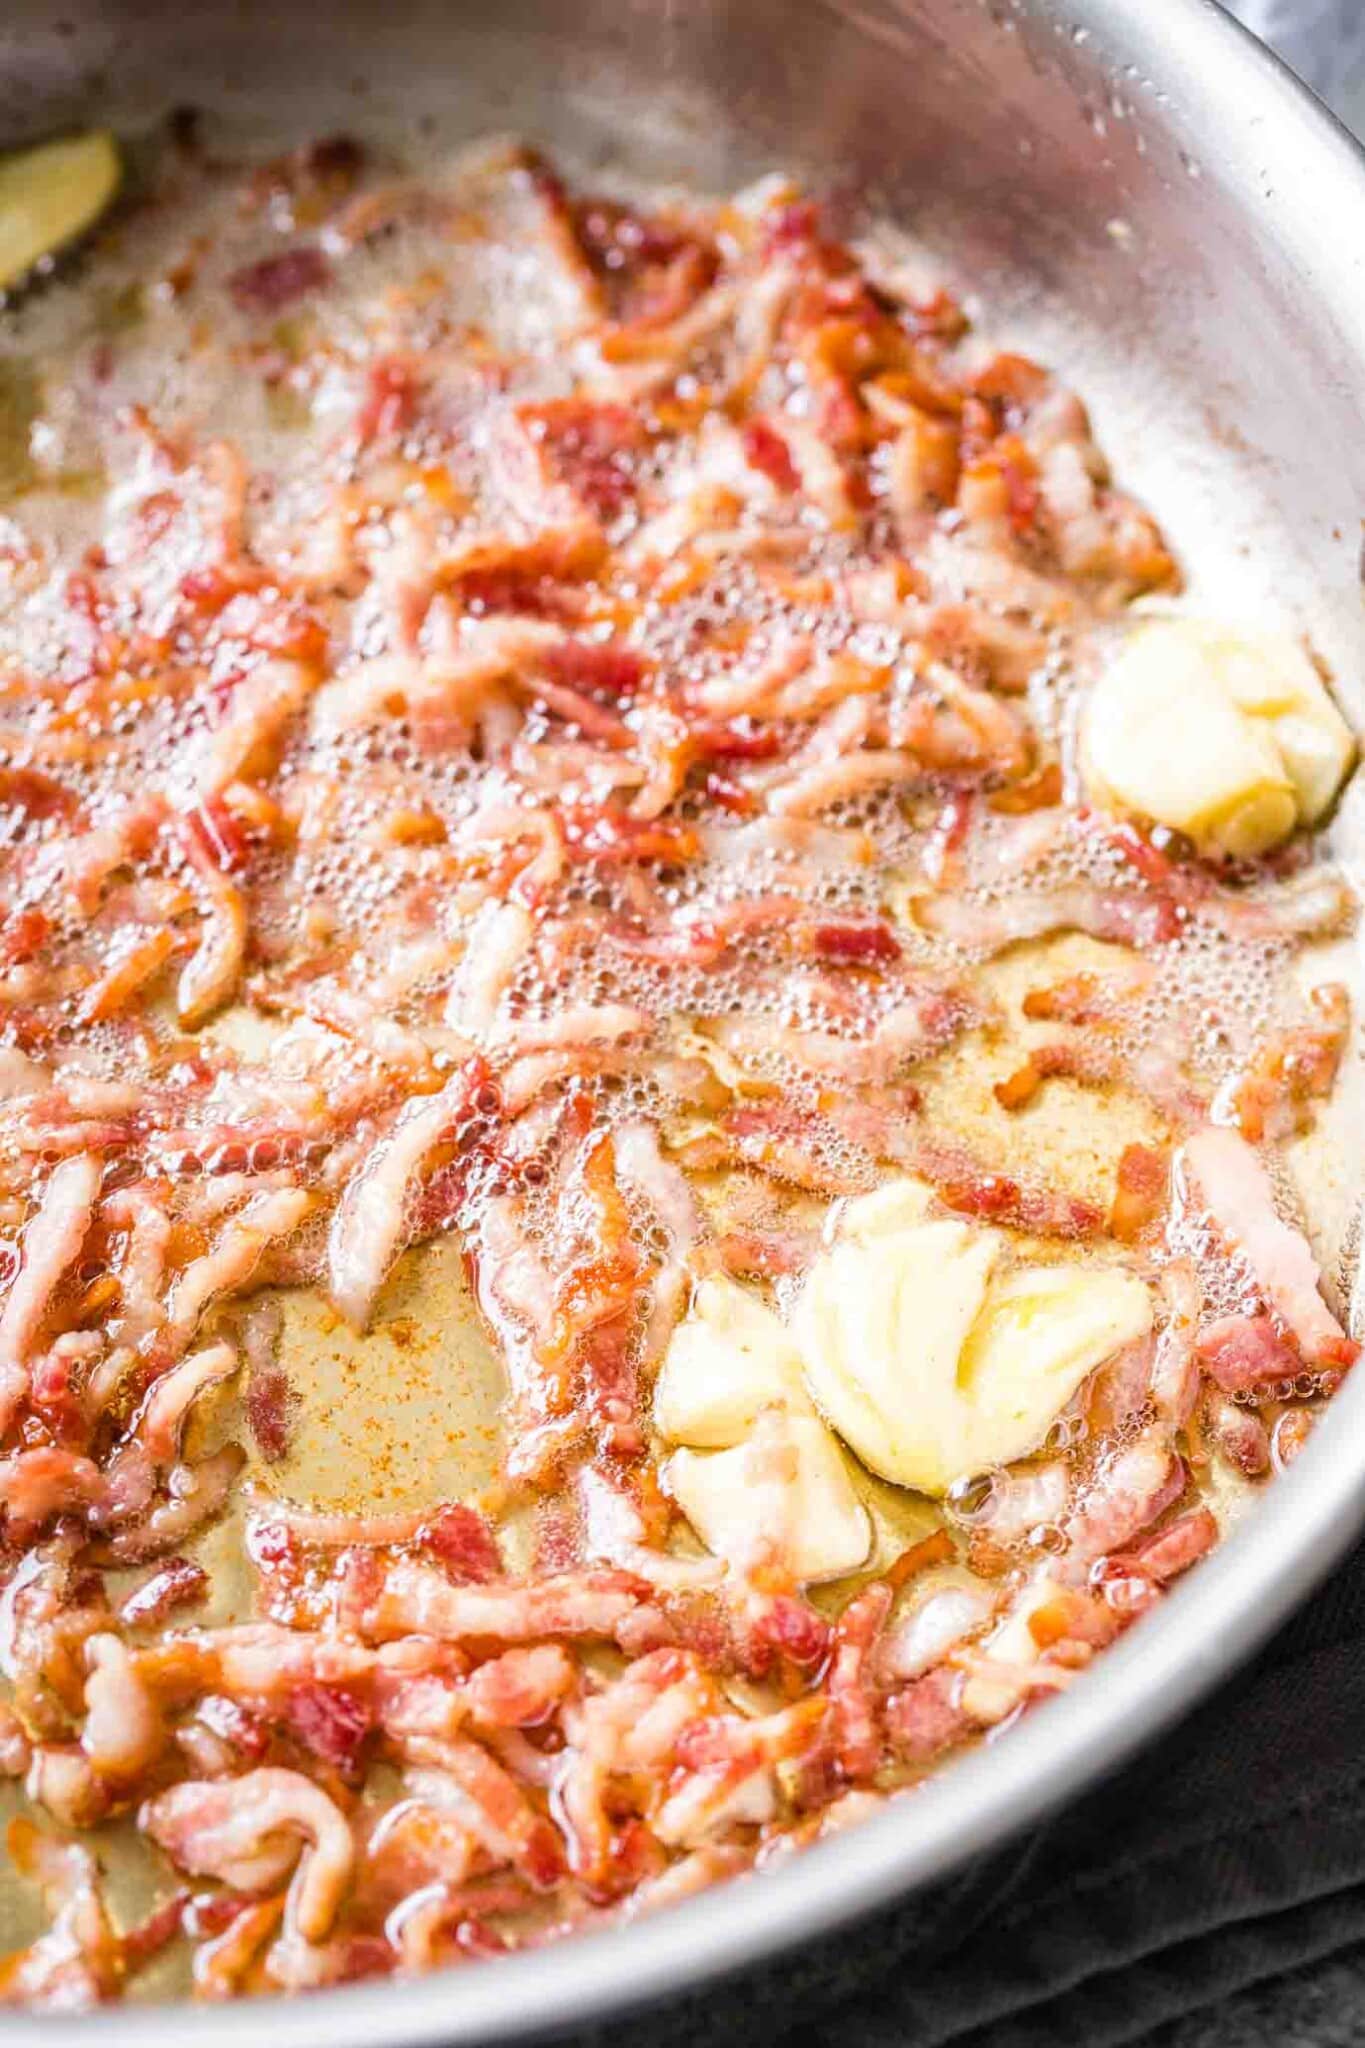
<point x="493" y="1804"/>
<point x="856" y="945"/>
<point x="770" y="1254"/>
<point x="37" y="1484"/>
<point x="785" y="1626"/>
<point x="178" y="1582"/>
<point x="366" y="1233"/>
<point x="1081" y="999"/>
<point x="390" y="402"/>
<point x="974" y="1190"/>
<point x="921" y="1638"/>
<point x="1313" y="905"/>
<point x="1247" y="1355"/>
<point x="1273" y="1097"/>
<point x="779" y="1142"/>
<point x="331" y="1722"/>
<point x="247" y="1833"/>
<point x="885" y="1045"/>
<point x="1132" y="1487"/>
<point x="214" y="969"/>
<point x="1123" y="916"/>
<point x="124" y="1732"/>
<point x="1290" y="1435"/>
<point x="160" y="1422"/>
<point x="589" y="1332"/>
<point x="145" y="1940"/>
<point x="413" y="1600"/>
<point x="242" y="747"/>
<point x="266" y="1219"/>
<point x="928" y="1716"/>
<point x="817" y="785"/>
<point x="461" y="1538"/>
<point x="20" y="1076"/>
<point x="767" y="451"/>
<point x="275" y="282"/>
<point x="23" y="935"/>
<point x="642" y="1169"/>
<point x="125" y="977"/>
<point x="221" y="1963"/>
<point x="1241" y="1202"/>
<point x="1175" y="1367"/>
<point x="601" y="667"/>
<point x="62" y="1779"/>
<point x="522" y="1688"/>
<point x="852" y="1696"/>
<point x="1032" y="1497"/>
<point x="51" y="1242"/>
<point x="599" y="835"/>
<point x="1240" y="1435"/>
<point x="1139" y="1192"/>
<point x="592" y="446"/>
<point x="15" y="1748"/>
<point x="138" y="1212"/>
<point x="194" y="1495"/>
<point x="1174" y="1549"/>
<point x="269" y="1398"/>
<point x="76" y="1964"/>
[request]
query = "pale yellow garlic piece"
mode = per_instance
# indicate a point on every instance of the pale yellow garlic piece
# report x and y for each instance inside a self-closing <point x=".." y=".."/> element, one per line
<point x="881" y="1323"/>
<point x="1040" y="1331"/>
<point x="781" y="1500"/>
<point x="730" y="1358"/>
<point x="933" y="1363"/>
<point x="50" y="195"/>
<point x="1231" y="739"/>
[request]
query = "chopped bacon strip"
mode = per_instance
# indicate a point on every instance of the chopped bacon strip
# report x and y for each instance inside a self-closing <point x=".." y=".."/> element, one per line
<point x="277" y="281"/>
<point x="1131" y="1489"/>
<point x="247" y="1832"/>
<point x="1247" y="1353"/>
<point x="52" y="1240"/>
<point x="1173" y="1549"/>
<point x="1241" y="1201"/>
<point x="415" y="1601"/>
<point x="367" y="1228"/>
<point x="178" y="1582"/>
<point x="461" y="1538"/>
<point x="1139" y="1193"/>
<point x="996" y="1197"/>
<point x="1293" y="1070"/>
<point x="331" y="1722"/>
<point x="857" y="1736"/>
<point x="927" y="1717"/>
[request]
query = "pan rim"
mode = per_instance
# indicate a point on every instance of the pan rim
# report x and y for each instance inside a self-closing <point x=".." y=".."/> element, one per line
<point x="1210" y="1625"/>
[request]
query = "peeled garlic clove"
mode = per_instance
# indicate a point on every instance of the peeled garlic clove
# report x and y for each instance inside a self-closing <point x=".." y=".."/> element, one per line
<point x="1230" y="739"/>
<point x="881" y="1324"/>
<point x="931" y="1364"/>
<point x="51" y="194"/>
<point x="783" y="1499"/>
<point x="1041" y="1330"/>
<point x="729" y="1358"/>
<point x="1272" y="680"/>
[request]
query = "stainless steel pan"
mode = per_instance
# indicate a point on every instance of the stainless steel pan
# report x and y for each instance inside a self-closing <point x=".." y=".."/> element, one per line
<point x="1146" y="199"/>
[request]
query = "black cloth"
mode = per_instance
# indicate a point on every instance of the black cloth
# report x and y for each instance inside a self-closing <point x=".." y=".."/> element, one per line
<point x="1231" y="1852"/>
